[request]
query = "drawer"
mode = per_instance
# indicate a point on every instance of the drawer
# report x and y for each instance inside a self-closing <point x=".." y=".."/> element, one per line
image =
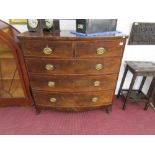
<point x="45" y="48"/>
<point x="73" y="83"/>
<point x="83" y="66"/>
<point x="100" y="49"/>
<point x="73" y="100"/>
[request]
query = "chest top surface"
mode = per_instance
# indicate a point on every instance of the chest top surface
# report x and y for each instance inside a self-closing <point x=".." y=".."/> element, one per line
<point x="66" y="35"/>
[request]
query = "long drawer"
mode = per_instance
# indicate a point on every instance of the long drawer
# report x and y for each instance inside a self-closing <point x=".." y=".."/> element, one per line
<point x="73" y="83"/>
<point x="99" y="49"/>
<point x="45" y="48"/>
<point x="73" y="99"/>
<point x="82" y="66"/>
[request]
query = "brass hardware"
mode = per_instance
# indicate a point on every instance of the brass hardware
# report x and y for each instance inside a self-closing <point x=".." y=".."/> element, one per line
<point x="52" y="99"/>
<point x="121" y="43"/>
<point x="51" y="84"/>
<point x="99" y="66"/>
<point x="94" y="99"/>
<point x="49" y="67"/>
<point x="47" y="50"/>
<point x="97" y="83"/>
<point x="101" y="50"/>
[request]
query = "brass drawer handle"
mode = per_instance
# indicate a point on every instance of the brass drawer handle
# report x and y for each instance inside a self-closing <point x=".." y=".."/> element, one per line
<point x="121" y="43"/>
<point x="97" y="83"/>
<point x="52" y="99"/>
<point x="51" y="84"/>
<point x="101" y="50"/>
<point x="94" y="99"/>
<point x="49" y="67"/>
<point x="99" y="66"/>
<point x="47" y="50"/>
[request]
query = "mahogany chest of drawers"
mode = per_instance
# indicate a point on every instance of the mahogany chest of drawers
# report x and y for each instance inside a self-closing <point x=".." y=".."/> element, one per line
<point x="68" y="72"/>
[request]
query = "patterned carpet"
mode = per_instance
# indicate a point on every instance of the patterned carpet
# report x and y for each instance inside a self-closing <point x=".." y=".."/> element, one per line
<point x="23" y="120"/>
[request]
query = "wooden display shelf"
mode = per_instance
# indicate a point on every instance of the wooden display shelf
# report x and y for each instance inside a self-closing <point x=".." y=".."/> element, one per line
<point x="6" y="54"/>
<point x="11" y="88"/>
<point x="14" y="82"/>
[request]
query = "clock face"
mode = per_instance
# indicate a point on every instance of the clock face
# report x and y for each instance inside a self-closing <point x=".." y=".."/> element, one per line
<point x="49" y="23"/>
<point x="33" y="23"/>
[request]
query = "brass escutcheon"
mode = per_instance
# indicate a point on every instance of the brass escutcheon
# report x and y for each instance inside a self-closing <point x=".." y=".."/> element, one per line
<point x="52" y="99"/>
<point x="94" y="99"/>
<point x="101" y="50"/>
<point x="99" y="66"/>
<point x="97" y="83"/>
<point x="47" y="50"/>
<point x="49" y="67"/>
<point x="51" y="84"/>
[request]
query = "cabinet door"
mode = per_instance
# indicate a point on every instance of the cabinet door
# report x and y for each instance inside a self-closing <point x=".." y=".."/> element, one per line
<point x="10" y="81"/>
<point x="14" y="82"/>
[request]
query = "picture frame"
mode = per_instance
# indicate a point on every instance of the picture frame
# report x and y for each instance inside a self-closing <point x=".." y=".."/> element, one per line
<point x="18" y="21"/>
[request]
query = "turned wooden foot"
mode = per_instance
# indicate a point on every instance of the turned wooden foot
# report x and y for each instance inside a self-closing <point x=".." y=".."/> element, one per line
<point x="108" y="109"/>
<point x="38" y="110"/>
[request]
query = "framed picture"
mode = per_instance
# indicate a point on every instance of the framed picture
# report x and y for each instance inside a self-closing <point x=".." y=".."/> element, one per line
<point x="18" y="21"/>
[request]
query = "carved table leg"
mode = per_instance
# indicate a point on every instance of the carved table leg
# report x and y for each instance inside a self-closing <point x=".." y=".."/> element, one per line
<point x="151" y="95"/>
<point x="142" y="84"/>
<point x="146" y="106"/>
<point x="150" y="100"/>
<point x="129" y="91"/>
<point x="122" y="82"/>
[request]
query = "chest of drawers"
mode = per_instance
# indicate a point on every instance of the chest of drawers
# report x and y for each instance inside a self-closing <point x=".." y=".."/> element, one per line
<point x="69" y="72"/>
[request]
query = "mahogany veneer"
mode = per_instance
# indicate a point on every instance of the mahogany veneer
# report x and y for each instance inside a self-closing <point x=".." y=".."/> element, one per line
<point x="68" y="72"/>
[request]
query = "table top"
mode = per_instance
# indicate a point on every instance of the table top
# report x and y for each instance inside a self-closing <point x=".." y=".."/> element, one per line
<point x="66" y="34"/>
<point x="141" y="66"/>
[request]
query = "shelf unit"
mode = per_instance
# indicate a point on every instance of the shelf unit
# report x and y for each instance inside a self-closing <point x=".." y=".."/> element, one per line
<point x="14" y="83"/>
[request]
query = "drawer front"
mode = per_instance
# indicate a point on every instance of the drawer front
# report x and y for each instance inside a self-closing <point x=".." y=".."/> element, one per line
<point x="73" y="83"/>
<point x="95" y="66"/>
<point x="47" y="49"/>
<point x="73" y="100"/>
<point x="100" y="49"/>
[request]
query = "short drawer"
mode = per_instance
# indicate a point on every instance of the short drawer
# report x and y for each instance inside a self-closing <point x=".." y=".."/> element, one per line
<point x="45" y="48"/>
<point x="73" y="99"/>
<point x="100" y="49"/>
<point x="73" y="83"/>
<point x="83" y="66"/>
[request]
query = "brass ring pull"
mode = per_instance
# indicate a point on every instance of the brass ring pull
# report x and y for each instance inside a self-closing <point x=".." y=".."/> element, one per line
<point x="94" y="99"/>
<point x="52" y="99"/>
<point x="101" y="50"/>
<point x="51" y="84"/>
<point x="97" y="83"/>
<point x="49" y="67"/>
<point x="121" y="43"/>
<point x="47" y="50"/>
<point x="99" y="66"/>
